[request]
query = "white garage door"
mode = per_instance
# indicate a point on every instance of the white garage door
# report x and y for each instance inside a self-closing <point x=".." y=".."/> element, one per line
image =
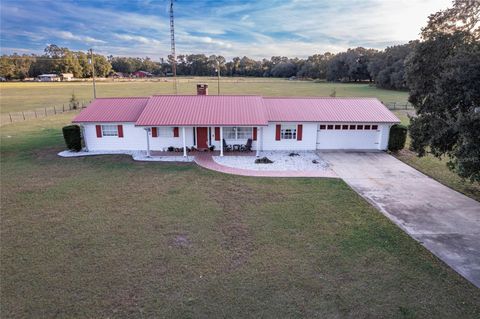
<point x="348" y="137"/>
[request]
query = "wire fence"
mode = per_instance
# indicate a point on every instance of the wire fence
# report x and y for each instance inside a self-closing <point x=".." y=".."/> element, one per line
<point x="36" y="113"/>
<point x="399" y="105"/>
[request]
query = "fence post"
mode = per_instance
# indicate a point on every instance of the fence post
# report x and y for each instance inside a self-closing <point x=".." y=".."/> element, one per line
<point x="406" y="104"/>
<point x="45" y="111"/>
<point x="63" y="107"/>
<point x="35" y="113"/>
<point x="23" y="114"/>
<point x="394" y="103"/>
<point x="54" y="110"/>
<point x="11" y="121"/>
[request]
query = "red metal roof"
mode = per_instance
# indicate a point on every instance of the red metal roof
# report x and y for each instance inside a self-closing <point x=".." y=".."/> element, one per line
<point x="198" y="110"/>
<point x="230" y="110"/>
<point x="306" y="109"/>
<point x="126" y="109"/>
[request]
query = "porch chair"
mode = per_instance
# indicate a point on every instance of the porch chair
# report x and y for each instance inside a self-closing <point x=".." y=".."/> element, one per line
<point x="247" y="147"/>
<point x="226" y="147"/>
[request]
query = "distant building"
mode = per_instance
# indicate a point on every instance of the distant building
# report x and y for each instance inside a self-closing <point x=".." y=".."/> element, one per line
<point x="117" y="75"/>
<point x="67" y="76"/>
<point x="48" y="78"/>
<point x="142" y="74"/>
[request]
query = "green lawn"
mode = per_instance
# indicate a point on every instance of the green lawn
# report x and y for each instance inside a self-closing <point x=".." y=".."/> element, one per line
<point x="109" y="237"/>
<point x="18" y="96"/>
<point x="435" y="167"/>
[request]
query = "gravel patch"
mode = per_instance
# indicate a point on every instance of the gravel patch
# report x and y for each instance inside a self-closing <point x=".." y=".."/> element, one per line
<point x="136" y="155"/>
<point x="281" y="162"/>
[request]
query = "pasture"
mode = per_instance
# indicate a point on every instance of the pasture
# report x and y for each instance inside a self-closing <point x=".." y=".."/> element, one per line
<point x="110" y="237"/>
<point x="17" y="96"/>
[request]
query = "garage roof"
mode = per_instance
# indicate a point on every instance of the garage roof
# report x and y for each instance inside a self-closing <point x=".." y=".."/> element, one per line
<point x="306" y="109"/>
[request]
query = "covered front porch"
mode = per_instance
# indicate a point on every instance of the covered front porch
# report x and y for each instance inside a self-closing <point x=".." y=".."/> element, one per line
<point x="193" y="140"/>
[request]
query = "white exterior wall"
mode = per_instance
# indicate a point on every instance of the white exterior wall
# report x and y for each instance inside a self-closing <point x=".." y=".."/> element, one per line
<point x="134" y="138"/>
<point x="308" y="142"/>
<point x="385" y="134"/>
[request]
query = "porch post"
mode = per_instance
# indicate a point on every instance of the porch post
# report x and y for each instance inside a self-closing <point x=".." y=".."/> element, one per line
<point x="258" y="141"/>
<point x="184" y="142"/>
<point x="221" y="140"/>
<point x="147" y="131"/>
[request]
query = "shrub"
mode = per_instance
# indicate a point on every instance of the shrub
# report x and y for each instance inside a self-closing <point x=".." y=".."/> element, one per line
<point x="74" y="103"/>
<point x="398" y="136"/>
<point x="73" y="138"/>
<point x="263" y="160"/>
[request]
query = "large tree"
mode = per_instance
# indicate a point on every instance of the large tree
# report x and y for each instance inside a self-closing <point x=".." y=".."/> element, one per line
<point x="443" y="75"/>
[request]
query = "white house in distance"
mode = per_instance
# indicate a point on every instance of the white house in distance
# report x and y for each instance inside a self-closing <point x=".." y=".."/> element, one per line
<point x="48" y="77"/>
<point x="273" y="123"/>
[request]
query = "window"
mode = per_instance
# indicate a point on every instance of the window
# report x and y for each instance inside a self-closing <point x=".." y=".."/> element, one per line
<point x="352" y="127"/>
<point x="230" y="133"/>
<point x="237" y="133"/>
<point x="330" y="127"/>
<point x="322" y="127"/>
<point x="337" y="127"/>
<point x="344" y="127"/>
<point x="288" y="132"/>
<point x="359" y="127"/>
<point x="367" y="127"/>
<point x="165" y="131"/>
<point x="244" y="133"/>
<point x="374" y="127"/>
<point x="109" y="130"/>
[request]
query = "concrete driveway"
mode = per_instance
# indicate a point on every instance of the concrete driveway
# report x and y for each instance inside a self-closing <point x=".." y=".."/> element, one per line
<point x="444" y="221"/>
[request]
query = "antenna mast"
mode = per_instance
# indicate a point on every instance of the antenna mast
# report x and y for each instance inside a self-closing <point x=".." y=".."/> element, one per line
<point x="172" y="43"/>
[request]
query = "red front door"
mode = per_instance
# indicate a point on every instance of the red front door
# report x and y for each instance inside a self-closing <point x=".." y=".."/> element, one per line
<point x="202" y="137"/>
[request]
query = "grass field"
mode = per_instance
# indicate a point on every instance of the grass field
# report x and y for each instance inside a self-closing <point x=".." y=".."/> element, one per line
<point x="436" y="168"/>
<point x="109" y="237"/>
<point x="17" y="96"/>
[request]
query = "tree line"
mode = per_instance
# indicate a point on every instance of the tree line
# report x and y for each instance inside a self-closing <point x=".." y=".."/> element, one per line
<point x="384" y="68"/>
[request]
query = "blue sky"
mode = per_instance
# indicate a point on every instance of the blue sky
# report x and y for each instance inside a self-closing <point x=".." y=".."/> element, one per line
<point x="260" y="28"/>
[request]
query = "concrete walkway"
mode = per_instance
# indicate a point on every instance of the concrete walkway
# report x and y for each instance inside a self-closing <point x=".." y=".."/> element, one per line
<point x="444" y="221"/>
<point x="205" y="160"/>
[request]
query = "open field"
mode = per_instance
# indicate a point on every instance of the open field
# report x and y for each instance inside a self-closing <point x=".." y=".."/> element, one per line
<point x="435" y="168"/>
<point x="18" y="96"/>
<point x="109" y="237"/>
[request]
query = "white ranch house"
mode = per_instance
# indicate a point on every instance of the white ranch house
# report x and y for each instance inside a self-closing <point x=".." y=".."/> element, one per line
<point x="183" y="121"/>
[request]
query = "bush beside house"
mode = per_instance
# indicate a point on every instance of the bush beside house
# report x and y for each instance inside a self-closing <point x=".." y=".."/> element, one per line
<point x="73" y="138"/>
<point x="398" y="136"/>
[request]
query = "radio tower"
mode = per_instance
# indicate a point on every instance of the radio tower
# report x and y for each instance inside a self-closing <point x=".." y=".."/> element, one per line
<point x="172" y="43"/>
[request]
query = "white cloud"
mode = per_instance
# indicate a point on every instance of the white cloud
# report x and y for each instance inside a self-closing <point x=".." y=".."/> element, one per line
<point x="67" y="35"/>
<point x="138" y="39"/>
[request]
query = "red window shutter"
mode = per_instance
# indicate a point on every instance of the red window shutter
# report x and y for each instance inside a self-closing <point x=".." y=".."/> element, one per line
<point x="277" y="132"/>
<point x="99" y="130"/>
<point x="120" y="130"/>
<point x="154" y="132"/>
<point x="217" y="134"/>
<point x="175" y="132"/>
<point x="299" y="132"/>
<point x="254" y="133"/>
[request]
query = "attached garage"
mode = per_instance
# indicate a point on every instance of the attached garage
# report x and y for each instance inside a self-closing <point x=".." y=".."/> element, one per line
<point x="335" y="136"/>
